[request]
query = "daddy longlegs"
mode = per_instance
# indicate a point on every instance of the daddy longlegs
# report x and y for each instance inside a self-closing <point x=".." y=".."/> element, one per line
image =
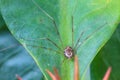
<point x="69" y="51"/>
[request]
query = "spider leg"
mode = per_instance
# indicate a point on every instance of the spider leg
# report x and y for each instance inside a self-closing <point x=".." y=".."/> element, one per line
<point x="72" y="32"/>
<point x="90" y="35"/>
<point x="44" y="48"/>
<point x="45" y="39"/>
<point x="55" y="25"/>
<point x="8" y="47"/>
<point x="78" y="40"/>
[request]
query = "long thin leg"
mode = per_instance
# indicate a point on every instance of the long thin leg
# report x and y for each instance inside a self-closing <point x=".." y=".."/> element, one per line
<point x="8" y="47"/>
<point x="42" y="10"/>
<point x="44" y="48"/>
<point x="51" y="19"/>
<point x="78" y="40"/>
<point x="90" y="36"/>
<point x="58" y="32"/>
<point x="45" y="39"/>
<point x="72" y="32"/>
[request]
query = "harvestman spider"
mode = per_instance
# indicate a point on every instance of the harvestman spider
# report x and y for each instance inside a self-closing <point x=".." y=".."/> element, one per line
<point x="69" y="51"/>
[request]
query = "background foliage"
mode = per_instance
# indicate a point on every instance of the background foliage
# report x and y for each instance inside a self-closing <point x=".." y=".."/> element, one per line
<point x="14" y="59"/>
<point x="108" y="56"/>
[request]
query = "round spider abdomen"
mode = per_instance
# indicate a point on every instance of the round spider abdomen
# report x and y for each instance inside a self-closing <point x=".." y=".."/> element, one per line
<point x="68" y="52"/>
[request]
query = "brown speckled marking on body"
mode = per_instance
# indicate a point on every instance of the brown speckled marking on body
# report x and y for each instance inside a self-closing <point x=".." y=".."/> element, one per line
<point x="68" y="52"/>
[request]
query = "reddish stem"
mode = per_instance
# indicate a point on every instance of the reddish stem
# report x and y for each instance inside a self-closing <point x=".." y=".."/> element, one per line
<point x="76" y="68"/>
<point x="107" y="74"/>
<point x="56" y="74"/>
<point x="51" y="75"/>
<point x="18" y="77"/>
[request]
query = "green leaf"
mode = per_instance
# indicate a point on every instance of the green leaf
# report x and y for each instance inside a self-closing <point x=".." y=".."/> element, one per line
<point x="14" y="59"/>
<point x="1" y="22"/>
<point x="108" y="56"/>
<point x="37" y="19"/>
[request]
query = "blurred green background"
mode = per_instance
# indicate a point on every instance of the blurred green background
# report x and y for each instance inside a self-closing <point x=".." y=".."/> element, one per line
<point x="108" y="56"/>
<point x="14" y="59"/>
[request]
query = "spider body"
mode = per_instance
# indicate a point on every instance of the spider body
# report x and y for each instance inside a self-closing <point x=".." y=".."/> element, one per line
<point x="68" y="52"/>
